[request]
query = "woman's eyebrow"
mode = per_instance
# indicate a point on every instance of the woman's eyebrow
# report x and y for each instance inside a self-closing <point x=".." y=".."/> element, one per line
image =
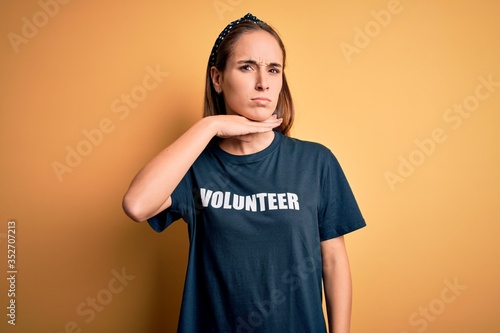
<point x="253" y="62"/>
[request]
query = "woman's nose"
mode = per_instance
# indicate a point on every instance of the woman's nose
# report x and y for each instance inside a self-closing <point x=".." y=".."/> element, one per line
<point x="262" y="82"/>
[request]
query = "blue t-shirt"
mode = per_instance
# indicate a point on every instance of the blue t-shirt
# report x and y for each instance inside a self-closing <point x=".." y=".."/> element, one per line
<point x="255" y="224"/>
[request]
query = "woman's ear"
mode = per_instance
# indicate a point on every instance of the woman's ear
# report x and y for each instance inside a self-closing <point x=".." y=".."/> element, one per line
<point x="216" y="77"/>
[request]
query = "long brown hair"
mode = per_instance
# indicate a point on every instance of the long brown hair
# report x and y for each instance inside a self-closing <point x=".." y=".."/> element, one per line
<point x="214" y="103"/>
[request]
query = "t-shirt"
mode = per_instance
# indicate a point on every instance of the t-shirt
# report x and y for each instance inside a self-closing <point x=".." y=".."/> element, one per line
<point x="255" y="224"/>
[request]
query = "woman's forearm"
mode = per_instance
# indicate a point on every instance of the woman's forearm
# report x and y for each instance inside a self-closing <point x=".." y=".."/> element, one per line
<point x="150" y="190"/>
<point x="337" y="285"/>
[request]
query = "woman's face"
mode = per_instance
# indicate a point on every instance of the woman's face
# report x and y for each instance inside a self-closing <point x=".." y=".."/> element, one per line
<point x="252" y="79"/>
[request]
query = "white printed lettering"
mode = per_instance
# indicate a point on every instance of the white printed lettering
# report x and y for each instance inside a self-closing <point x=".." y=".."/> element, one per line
<point x="250" y="203"/>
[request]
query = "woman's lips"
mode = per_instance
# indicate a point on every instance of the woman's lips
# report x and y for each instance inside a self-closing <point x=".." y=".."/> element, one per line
<point x="261" y="100"/>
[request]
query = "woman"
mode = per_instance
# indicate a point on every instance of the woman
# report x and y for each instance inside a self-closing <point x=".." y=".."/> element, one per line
<point x="266" y="213"/>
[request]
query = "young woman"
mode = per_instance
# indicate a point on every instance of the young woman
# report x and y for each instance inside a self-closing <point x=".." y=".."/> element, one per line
<point x="266" y="213"/>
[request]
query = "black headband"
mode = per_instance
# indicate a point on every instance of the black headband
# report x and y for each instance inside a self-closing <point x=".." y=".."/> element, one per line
<point x="227" y="29"/>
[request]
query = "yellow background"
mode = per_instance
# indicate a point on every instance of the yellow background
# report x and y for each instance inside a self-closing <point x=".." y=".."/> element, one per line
<point x="436" y="228"/>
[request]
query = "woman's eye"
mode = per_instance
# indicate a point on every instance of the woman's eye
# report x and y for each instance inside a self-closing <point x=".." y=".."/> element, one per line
<point x="246" y="67"/>
<point x="275" y="70"/>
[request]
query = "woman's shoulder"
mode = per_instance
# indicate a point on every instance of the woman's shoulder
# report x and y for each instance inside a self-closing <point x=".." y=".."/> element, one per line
<point x="306" y="146"/>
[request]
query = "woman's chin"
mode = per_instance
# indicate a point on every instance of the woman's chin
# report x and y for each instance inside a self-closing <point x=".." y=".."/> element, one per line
<point x="258" y="116"/>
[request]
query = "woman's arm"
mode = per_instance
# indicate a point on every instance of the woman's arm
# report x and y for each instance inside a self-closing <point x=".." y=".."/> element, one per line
<point x="150" y="190"/>
<point x="337" y="284"/>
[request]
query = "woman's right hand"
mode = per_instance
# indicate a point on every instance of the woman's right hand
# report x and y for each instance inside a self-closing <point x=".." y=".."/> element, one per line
<point x="234" y="126"/>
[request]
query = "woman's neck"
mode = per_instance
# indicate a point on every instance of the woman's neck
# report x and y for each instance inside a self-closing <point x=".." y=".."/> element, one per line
<point x="247" y="144"/>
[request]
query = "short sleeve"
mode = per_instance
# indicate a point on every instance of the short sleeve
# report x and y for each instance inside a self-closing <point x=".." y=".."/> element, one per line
<point x="182" y="202"/>
<point x="338" y="212"/>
